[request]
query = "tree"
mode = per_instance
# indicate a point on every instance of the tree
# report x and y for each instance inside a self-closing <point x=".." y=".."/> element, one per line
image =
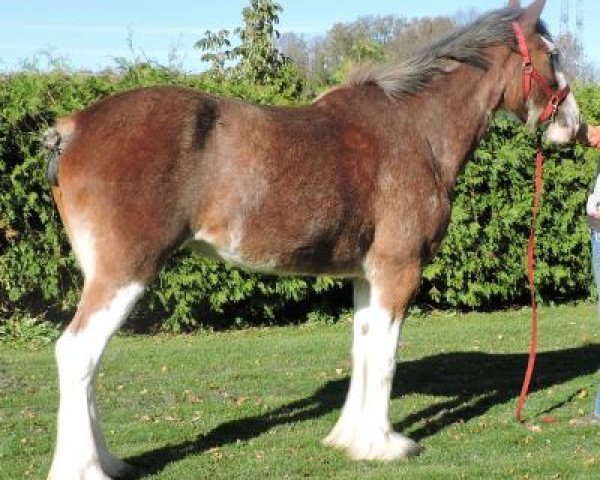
<point x="258" y="59"/>
<point x="363" y="50"/>
<point x="216" y="45"/>
<point x="418" y="34"/>
<point x="368" y="39"/>
<point x="296" y="48"/>
<point x="573" y="60"/>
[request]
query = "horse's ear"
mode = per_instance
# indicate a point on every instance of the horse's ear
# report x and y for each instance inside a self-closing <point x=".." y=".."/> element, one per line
<point x="532" y="15"/>
<point x="514" y="4"/>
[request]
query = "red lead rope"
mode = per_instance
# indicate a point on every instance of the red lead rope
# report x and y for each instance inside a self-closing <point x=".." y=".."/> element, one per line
<point x="555" y="98"/>
<point x="539" y="172"/>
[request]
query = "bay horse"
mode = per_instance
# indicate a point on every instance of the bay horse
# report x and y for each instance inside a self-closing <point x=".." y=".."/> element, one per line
<point x="357" y="184"/>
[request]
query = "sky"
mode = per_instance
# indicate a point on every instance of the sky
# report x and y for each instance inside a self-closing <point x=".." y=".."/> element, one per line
<point x="89" y="34"/>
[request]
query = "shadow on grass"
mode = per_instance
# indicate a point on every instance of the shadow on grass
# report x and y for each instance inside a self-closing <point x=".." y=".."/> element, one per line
<point x="475" y="382"/>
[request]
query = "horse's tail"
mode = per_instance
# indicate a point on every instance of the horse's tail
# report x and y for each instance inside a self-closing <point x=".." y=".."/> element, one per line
<point x="56" y="139"/>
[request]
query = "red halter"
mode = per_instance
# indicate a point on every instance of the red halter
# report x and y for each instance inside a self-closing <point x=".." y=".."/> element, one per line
<point x="555" y="97"/>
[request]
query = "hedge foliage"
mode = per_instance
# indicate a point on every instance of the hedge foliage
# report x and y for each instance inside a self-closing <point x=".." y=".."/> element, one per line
<point x="481" y="263"/>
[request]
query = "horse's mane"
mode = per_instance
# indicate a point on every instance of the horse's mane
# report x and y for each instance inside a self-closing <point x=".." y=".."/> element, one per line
<point x="464" y="45"/>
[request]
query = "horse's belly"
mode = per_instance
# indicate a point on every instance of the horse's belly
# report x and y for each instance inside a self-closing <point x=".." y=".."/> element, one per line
<point x="302" y="259"/>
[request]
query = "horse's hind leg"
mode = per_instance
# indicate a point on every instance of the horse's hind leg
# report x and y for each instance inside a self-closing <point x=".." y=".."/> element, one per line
<point x="116" y="273"/>
<point x="80" y="452"/>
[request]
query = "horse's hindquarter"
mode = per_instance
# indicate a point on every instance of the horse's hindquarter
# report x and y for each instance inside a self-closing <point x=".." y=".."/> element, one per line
<point x="124" y="174"/>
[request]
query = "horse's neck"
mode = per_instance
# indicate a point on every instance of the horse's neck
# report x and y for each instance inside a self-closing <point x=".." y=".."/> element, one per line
<point x="461" y="106"/>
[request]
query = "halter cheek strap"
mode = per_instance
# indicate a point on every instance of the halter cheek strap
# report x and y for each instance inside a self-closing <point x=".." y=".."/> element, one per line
<point x="555" y="97"/>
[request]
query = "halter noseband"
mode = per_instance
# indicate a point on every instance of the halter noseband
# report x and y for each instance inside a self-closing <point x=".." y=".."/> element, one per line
<point x="555" y="97"/>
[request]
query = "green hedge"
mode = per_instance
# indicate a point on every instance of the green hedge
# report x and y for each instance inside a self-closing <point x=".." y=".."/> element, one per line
<point x="481" y="263"/>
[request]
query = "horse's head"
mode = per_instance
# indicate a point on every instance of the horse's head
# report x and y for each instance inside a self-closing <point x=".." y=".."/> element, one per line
<point x="538" y="91"/>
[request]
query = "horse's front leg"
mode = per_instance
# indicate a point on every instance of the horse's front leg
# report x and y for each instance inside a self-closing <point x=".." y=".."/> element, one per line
<point x="364" y="429"/>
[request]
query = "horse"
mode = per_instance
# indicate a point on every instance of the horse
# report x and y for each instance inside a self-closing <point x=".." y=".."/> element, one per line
<point x="357" y="184"/>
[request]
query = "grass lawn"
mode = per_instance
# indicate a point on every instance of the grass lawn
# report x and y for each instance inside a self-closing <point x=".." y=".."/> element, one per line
<point x="255" y="404"/>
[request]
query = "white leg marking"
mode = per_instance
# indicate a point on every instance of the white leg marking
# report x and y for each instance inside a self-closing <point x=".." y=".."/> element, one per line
<point x="80" y="450"/>
<point x="364" y="428"/>
<point x="343" y="433"/>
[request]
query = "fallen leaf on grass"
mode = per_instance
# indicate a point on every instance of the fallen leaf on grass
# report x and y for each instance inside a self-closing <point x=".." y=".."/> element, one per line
<point x="216" y="453"/>
<point x="534" y="428"/>
<point x="549" y="419"/>
<point x="194" y="398"/>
